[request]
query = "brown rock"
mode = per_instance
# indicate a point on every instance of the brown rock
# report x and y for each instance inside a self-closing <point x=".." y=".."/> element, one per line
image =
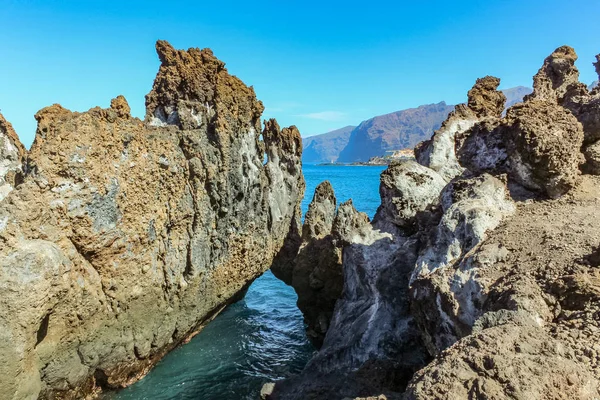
<point x="505" y="362"/>
<point x="484" y="98"/>
<point x="127" y="237"/>
<point x="120" y="105"/>
<point x="532" y="283"/>
<point x="315" y="272"/>
<point x="592" y="158"/>
<point x="439" y="152"/>
<point x="556" y="77"/>
<point x="543" y="143"/>
<point x="193" y="88"/>
<point x="538" y="144"/>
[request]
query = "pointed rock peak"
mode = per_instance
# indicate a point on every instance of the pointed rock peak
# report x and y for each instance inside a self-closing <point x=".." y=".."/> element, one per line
<point x="597" y="65"/>
<point x="271" y="127"/>
<point x="166" y="53"/>
<point x="556" y="76"/>
<point x="6" y="129"/>
<point x="120" y="105"/>
<point x="288" y="139"/>
<point x="12" y="157"/>
<point x="51" y="113"/>
<point x="349" y="222"/>
<point x="485" y="100"/>
<point x="187" y="86"/>
<point x="324" y="192"/>
<point x="321" y="213"/>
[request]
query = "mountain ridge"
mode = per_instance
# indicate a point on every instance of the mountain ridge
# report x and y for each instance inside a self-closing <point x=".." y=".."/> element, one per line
<point x="392" y="131"/>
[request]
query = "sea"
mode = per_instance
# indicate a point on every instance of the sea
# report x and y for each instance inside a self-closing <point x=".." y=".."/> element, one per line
<point x="259" y="339"/>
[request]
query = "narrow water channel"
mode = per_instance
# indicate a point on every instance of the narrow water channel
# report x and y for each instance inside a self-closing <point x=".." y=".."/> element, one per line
<point x="259" y="339"/>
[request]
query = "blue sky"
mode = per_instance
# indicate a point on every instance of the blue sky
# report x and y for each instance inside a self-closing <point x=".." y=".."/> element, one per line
<point x="316" y="64"/>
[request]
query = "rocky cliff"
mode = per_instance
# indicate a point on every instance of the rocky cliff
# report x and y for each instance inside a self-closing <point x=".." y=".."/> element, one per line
<point x="479" y="275"/>
<point x="120" y="238"/>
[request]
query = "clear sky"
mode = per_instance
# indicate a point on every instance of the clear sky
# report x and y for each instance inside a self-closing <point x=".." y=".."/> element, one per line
<point x="319" y="65"/>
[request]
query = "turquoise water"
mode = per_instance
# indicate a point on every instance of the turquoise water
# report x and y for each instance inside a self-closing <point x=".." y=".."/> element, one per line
<point x="260" y="338"/>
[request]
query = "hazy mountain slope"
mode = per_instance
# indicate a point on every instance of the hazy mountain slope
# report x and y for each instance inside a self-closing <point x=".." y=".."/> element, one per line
<point x="593" y="85"/>
<point x="325" y="147"/>
<point x="515" y="95"/>
<point x="393" y="131"/>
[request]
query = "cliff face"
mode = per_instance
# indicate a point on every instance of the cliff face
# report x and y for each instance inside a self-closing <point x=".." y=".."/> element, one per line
<point x="478" y="277"/>
<point x="121" y="237"/>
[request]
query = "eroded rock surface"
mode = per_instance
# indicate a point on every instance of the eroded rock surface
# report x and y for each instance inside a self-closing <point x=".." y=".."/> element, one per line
<point x="533" y="321"/>
<point x="439" y="152"/>
<point x="406" y="189"/>
<point x="544" y="142"/>
<point x="315" y="271"/>
<point x="12" y="158"/>
<point x="126" y="236"/>
<point x="497" y="280"/>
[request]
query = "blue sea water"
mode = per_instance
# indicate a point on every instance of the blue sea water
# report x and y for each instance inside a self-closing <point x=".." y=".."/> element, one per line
<point x="260" y="338"/>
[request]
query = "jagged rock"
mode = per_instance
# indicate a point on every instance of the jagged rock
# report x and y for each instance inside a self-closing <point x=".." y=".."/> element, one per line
<point x="504" y="296"/>
<point x="470" y="207"/>
<point x="12" y="157"/>
<point x="506" y="362"/>
<point x="592" y="158"/>
<point x="558" y="82"/>
<point x="543" y="142"/>
<point x="372" y="344"/>
<point x="439" y="153"/>
<point x="315" y="272"/>
<point x="584" y="103"/>
<point x="440" y="283"/>
<point x="556" y="77"/>
<point x="127" y="237"/>
<point x="537" y="143"/>
<point x="587" y="110"/>
<point x="406" y="189"/>
<point x="484" y="99"/>
<point x="482" y="148"/>
<point x="321" y="212"/>
<point x="532" y="312"/>
<point x="120" y="105"/>
<point x="193" y="88"/>
<point x="317" y="269"/>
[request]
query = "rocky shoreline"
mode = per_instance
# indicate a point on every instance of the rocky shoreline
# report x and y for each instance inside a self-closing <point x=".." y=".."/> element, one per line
<point x="479" y="276"/>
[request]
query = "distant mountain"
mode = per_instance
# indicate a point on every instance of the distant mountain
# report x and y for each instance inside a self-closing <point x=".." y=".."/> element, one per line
<point x="378" y="135"/>
<point x="327" y="146"/>
<point x="394" y="131"/>
<point x="515" y="95"/>
<point x="593" y="85"/>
